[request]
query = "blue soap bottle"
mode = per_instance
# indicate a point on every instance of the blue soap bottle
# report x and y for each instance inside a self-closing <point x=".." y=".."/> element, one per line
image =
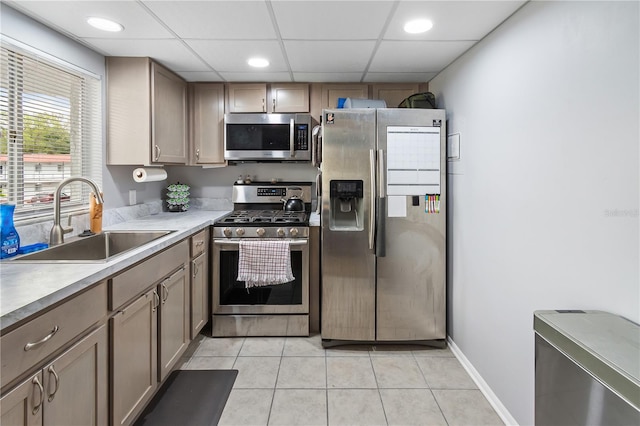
<point x="9" y="238"/>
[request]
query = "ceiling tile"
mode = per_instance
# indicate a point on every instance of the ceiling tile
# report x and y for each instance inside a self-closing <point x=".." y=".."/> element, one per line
<point x="331" y="56"/>
<point x="232" y="55"/>
<point x="329" y="40"/>
<point x="70" y="17"/>
<point x="215" y="19"/>
<point x="170" y="53"/>
<point x="331" y="20"/>
<point x="328" y="77"/>
<point x="416" y="56"/>
<point x="399" y="77"/>
<point x="452" y="20"/>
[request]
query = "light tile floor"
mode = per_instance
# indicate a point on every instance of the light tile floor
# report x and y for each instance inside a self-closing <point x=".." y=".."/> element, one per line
<point x="294" y="381"/>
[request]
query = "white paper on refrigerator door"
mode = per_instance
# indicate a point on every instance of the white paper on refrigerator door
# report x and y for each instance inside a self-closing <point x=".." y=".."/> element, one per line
<point x="413" y="160"/>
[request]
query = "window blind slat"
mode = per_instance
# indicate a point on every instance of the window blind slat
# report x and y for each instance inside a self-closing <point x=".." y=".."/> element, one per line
<point x="50" y="122"/>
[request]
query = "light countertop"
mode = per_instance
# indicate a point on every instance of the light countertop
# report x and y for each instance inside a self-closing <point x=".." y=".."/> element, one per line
<point x="27" y="288"/>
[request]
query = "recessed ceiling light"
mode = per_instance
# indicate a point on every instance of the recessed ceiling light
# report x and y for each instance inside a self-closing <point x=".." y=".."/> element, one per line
<point x="418" y="26"/>
<point x="104" y="24"/>
<point x="258" y="62"/>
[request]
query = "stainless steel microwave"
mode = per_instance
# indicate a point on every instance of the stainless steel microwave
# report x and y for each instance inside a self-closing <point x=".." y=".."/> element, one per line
<point x="267" y="137"/>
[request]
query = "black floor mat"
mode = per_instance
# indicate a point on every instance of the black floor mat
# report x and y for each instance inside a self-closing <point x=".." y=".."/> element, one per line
<point x="190" y="398"/>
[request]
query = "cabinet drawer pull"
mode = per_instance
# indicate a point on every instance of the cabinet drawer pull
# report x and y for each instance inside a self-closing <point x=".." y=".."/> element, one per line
<point x="36" y="382"/>
<point x="30" y="345"/>
<point x="57" y="381"/>
<point x="199" y="243"/>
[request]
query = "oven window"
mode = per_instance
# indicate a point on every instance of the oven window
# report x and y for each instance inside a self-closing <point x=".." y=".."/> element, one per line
<point x="234" y="292"/>
<point x="257" y="137"/>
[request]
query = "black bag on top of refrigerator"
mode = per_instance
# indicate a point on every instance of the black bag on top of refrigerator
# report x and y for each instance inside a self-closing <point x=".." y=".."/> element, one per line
<point x="425" y="100"/>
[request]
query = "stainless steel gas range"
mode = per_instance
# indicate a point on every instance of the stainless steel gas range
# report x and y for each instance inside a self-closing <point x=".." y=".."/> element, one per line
<point x="272" y="310"/>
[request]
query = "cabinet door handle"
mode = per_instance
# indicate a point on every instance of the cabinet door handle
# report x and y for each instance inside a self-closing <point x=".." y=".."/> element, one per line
<point x="36" y="382"/>
<point x="156" y="299"/>
<point x="274" y="104"/>
<point x="53" y="373"/>
<point x="198" y="154"/>
<point x="194" y="266"/>
<point x="264" y="105"/>
<point x="157" y="156"/>
<point x="165" y="292"/>
<point x="31" y="345"/>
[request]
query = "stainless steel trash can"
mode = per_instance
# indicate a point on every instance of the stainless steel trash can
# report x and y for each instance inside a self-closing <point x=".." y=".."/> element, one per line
<point x="587" y="369"/>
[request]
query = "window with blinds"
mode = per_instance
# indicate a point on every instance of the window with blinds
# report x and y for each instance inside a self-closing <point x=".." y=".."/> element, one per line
<point x="51" y="129"/>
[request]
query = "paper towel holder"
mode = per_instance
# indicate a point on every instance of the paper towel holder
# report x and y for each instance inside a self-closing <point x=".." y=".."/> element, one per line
<point x="142" y="175"/>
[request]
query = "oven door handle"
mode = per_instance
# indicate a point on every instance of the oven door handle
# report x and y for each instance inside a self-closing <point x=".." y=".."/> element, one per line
<point x="236" y="242"/>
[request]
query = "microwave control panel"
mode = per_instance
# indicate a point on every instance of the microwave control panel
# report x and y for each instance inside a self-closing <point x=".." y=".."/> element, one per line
<point x="301" y="142"/>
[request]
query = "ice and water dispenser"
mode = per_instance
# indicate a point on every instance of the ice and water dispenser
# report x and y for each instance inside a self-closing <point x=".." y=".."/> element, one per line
<point x="346" y="205"/>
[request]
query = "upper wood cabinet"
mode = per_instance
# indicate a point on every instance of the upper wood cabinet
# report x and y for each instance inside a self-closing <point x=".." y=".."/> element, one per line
<point x="394" y="93"/>
<point x="331" y="93"/>
<point x="289" y="97"/>
<point x="247" y="97"/>
<point x="281" y="97"/>
<point x="146" y="113"/>
<point x="206" y="120"/>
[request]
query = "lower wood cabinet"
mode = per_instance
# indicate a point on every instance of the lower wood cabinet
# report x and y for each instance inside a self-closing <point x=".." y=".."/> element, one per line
<point x="174" y="320"/>
<point x="134" y="348"/>
<point x="149" y="334"/>
<point x="70" y="390"/>
<point x="199" y="281"/>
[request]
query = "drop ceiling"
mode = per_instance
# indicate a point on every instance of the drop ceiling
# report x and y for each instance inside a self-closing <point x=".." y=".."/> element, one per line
<point x="304" y="41"/>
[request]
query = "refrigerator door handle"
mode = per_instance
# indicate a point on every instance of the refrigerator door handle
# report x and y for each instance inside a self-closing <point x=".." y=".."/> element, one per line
<point x="382" y="206"/>
<point x="372" y="197"/>
<point x="292" y="132"/>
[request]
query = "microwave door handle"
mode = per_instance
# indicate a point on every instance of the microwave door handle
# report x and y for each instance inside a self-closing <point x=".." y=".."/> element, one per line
<point x="292" y="126"/>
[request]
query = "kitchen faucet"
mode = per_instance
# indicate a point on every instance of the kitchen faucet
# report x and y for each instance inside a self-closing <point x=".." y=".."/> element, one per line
<point x="57" y="231"/>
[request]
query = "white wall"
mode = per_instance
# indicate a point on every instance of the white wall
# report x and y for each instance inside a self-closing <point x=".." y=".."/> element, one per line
<point x="544" y="200"/>
<point x="116" y="180"/>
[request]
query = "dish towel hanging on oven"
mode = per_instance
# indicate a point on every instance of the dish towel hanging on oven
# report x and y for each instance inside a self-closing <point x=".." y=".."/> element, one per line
<point x="264" y="262"/>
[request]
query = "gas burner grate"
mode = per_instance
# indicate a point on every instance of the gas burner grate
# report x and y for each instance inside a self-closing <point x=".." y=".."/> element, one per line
<point x="257" y="217"/>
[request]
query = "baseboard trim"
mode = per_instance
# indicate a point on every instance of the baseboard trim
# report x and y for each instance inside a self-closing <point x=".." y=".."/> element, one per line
<point x="497" y="405"/>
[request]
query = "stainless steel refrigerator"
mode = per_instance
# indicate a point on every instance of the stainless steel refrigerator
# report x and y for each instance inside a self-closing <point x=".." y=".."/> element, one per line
<point x="383" y="225"/>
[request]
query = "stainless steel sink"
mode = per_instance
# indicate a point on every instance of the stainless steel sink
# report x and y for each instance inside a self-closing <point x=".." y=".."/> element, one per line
<point x="97" y="248"/>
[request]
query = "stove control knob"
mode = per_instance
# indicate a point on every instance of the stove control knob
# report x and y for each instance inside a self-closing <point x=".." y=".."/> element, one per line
<point x="226" y="232"/>
<point x="280" y="232"/>
<point x="260" y="232"/>
<point x="240" y="232"/>
<point x="293" y="232"/>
